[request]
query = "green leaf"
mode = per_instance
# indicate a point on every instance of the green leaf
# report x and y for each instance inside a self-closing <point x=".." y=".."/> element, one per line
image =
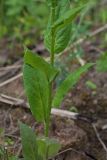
<point x="47" y="147"/>
<point x="38" y="62"/>
<point x="67" y="18"/>
<point x="62" y="26"/>
<point x="62" y="36"/>
<point x="29" y="144"/>
<point x="101" y="64"/>
<point x="37" y="148"/>
<point x="68" y="83"/>
<point x="37" y="90"/>
<point x="62" y="39"/>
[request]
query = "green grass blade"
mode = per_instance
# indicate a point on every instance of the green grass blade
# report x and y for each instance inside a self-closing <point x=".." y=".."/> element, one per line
<point x="68" y="83"/>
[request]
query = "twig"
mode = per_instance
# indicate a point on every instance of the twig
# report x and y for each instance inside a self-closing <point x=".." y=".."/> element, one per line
<point x="9" y="97"/>
<point x="10" y="80"/>
<point x="16" y="65"/>
<point x="10" y="67"/>
<point x="98" y="137"/>
<point x="58" y="112"/>
<point x="80" y="60"/>
<point x="64" y="113"/>
<point x="6" y="101"/>
<point x="99" y="30"/>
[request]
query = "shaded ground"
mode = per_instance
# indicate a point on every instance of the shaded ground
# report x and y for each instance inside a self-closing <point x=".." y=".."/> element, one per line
<point x="78" y="139"/>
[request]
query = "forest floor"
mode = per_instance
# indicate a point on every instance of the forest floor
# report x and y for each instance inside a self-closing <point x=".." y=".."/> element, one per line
<point x="80" y="139"/>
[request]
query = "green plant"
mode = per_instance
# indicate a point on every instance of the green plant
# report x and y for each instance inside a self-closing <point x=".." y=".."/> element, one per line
<point x="101" y="64"/>
<point x="39" y="77"/>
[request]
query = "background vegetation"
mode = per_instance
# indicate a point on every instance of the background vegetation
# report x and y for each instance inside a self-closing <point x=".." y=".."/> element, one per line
<point x="20" y="19"/>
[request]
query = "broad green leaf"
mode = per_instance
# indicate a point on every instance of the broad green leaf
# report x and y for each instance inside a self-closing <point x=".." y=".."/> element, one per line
<point x="62" y="39"/>
<point x="29" y="144"/>
<point x="37" y="91"/>
<point x="38" y="62"/>
<point x="67" y="18"/>
<point x="47" y="147"/>
<point x="101" y="64"/>
<point x="68" y="83"/>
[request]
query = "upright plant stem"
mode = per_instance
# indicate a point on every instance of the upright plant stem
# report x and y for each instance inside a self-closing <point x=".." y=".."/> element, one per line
<point x="53" y="36"/>
<point x="52" y="63"/>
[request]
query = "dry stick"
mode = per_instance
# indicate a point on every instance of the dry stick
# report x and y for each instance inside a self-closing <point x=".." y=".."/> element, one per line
<point x="10" y="71"/>
<point x="99" y="30"/>
<point x="11" y="79"/>
<point x="10" y="67"/>
<point x="80" y="60"/>
<point x="64" y="113"/>
<point x="58" y="112"/>
<point x="17" y="64"/>
<point x="9" y="97"/>
<point x="100" y="140"/>
<point x="6" y="101"/>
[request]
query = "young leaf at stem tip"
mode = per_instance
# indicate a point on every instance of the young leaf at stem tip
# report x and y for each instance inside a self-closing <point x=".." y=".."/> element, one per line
<point x="62" y="26"/>
<point x="67" y="18"/>
<point x="61" y="37"/>
<point x="68" y="83"/>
